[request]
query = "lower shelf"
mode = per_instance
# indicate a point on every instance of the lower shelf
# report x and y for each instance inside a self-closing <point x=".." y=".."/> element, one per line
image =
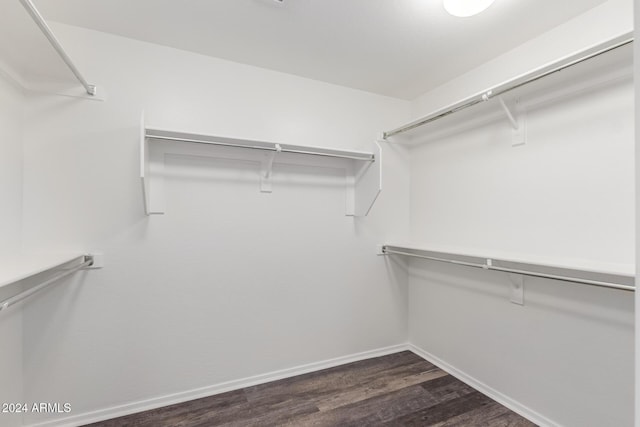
<point x="606" y="279"/>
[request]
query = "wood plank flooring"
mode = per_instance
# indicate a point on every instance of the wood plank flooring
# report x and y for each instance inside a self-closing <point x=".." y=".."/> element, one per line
<point x="401" y="389"/>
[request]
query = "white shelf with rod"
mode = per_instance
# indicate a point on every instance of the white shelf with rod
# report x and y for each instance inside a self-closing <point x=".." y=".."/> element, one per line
<point x="363" y="169"/>
<point x="595" y="65"/>
<point x="614" y="278"/>
<point x="16" y="269"/>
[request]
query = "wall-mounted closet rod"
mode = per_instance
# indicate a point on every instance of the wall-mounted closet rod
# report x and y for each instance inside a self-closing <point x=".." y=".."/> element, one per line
<point x="42" y="24"/>
<point x="489" y="266"/>
<point x="364" y="157"/>
<point x="507" y="87"/>
<point x="86" y="261"/>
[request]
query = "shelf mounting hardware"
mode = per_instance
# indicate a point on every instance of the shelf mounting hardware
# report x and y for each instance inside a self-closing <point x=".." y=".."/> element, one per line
<point x="516" y="288"/>
<point x="267" y="170"/>
<point x="514" y="122"/>
<point x="515" y="116"/>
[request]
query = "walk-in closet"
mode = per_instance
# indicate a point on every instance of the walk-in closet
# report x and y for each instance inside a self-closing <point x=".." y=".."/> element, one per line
<point x="317" y="213"/>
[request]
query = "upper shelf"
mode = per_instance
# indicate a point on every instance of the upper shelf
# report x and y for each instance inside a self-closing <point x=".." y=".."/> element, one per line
<point x="605" y="61"/>
<point x="167" y="135"/>
<point x="33" y="58"/>
<point x="363" y="169"/>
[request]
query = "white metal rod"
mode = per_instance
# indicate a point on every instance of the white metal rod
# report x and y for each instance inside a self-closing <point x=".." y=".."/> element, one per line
<point x="566" y="278"/>
<point x="450" y="261"/>
<point x="42" y="24"/>
<point x="365" y="157"/>
<point x="87" y="261"/>
<point x="517" y="271"/>
<point x="502" y="89"/>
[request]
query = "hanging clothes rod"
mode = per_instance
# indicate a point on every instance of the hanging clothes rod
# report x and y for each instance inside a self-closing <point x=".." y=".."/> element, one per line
<point x="513" y="84"/>
<point x="281" y="148"/>
<point x="42" y="24"/>
<point x="620" y="282"/>
<point x="85" y="261"/>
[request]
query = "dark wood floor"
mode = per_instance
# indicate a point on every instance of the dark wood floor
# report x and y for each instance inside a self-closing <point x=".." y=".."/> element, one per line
<point x="401" y="389"/>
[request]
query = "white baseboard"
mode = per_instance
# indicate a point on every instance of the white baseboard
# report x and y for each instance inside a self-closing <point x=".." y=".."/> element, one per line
<point x="158" y="402"/>
<point x="171" y="399"/>
<point x="504" y="400"/>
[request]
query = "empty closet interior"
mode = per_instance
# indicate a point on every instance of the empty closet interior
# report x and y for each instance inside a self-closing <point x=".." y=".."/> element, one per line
<point x="200" y="197"/>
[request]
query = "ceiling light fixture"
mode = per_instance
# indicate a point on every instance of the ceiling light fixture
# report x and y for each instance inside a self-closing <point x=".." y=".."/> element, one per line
<point x="464" y="8"/>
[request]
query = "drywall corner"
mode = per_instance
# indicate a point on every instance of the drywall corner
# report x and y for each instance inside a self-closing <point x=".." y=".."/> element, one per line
<point x="11" y="355"/>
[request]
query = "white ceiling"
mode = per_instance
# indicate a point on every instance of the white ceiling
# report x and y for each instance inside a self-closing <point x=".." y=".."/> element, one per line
<point x="400" y="48"/>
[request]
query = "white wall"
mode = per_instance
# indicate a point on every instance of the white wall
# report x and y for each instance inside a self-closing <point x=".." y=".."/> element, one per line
<point x="636" y="75"/>
<point x="567" y="196"/>
<point x="564" y="358"/>
<point x="11" y="121"/>
<point x="230" y="283"/>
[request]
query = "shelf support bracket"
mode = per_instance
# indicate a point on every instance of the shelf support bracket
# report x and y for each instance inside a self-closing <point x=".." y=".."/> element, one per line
<point x="267" y="170"/>
<point x="514" y="122"/>
<point x="517" y="119"/>
<point x="516" y="282"/>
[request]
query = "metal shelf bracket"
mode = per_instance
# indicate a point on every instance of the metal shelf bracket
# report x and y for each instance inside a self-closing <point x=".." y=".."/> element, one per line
<point x="267" y="170"/>
<point x="516" y="117"/>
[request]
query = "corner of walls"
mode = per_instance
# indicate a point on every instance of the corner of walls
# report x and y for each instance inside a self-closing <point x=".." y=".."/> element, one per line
<point x="11" y="160"/>
<point x="12" y="110"/>
<point x="636" y="74"/>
